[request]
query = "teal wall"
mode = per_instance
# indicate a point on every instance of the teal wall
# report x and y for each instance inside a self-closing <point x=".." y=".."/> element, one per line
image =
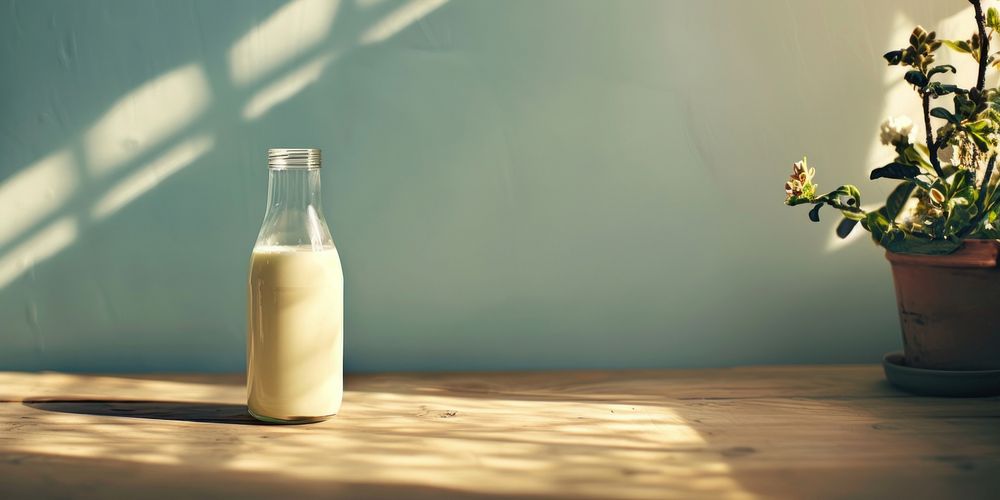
<point x="512" y="184"/>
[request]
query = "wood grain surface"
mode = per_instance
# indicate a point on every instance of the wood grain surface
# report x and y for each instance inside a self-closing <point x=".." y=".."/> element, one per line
<point x="757" y="432"/>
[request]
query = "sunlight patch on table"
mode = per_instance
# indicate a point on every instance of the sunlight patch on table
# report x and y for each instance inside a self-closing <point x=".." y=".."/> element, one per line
<point x="582" y="449"/>
<point x="98" y="441"/>
<point x="578" y="450"/>
<point x="61" y="386"/>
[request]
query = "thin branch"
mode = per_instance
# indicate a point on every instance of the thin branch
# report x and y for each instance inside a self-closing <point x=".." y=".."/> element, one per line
<point x="835" y="203"/>
<point x="984" y="44"/>
<point x="986" y="183"/>
<point x="932" y="146"/>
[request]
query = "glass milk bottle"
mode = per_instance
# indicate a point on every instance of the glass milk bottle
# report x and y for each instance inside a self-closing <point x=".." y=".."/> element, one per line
<point x="295" y="334"/>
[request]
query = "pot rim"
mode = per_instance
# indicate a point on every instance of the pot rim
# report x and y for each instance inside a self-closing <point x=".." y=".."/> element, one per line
<point x="974" y="253"/>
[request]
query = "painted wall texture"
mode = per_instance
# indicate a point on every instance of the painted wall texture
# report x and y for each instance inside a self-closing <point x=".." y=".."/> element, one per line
<point x="512" y="184"/>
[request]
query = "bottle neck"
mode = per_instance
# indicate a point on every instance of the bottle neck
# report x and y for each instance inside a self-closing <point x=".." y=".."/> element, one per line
<point x="294" y="189"/>
<point x="294" y="216"/>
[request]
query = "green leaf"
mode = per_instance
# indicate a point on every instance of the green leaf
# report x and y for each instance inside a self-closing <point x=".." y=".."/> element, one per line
<point x="981" y="141"/>
<point x="876" y="220"/>
<point x="814" y="213"/>
<point x="961" y="181"/>
<point x="897" y="199"/>
<point x="944" y="68"/>
<point x="949" y="171"/>
<point x="851" y="192"/>
<point x="893" y="57"/>
<point x="992" y="198"/>
<point x="958" y="45"/>
<point x="987" y="226"/>
<point x="964" y="107"/>
<point x="877" y="224"/>
<point x="939" y="89"/>
<point x="959" y="218"/>
<point x="922" y="246"/>
<point x="855" y="216"/>
<point x="980" y="126"/>
<point x="845" y="227"/>
<point x="944" y="114"/>
<point x="916" y="78"/>
<point x="993" y="18"/>
<point x="895" y="170"/>
<point x="915" y="154"/>
<point x="966" y="197"/>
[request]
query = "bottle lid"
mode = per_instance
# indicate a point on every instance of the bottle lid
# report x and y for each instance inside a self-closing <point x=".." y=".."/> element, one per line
<point x="282" y="158"/>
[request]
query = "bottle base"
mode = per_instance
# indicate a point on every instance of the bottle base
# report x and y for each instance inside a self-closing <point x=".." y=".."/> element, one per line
<point x="290" y="420"/>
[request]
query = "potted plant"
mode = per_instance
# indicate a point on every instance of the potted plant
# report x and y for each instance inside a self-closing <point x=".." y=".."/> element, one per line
<point x="939" y="225"/>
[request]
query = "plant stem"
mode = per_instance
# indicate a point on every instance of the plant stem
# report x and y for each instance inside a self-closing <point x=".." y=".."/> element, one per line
<point x="984" y="51"/>
<point x="835" y="203"/>
<point x="984" y="44"/>
<point x="986" y="183"/>
<point x="932" y="146"/>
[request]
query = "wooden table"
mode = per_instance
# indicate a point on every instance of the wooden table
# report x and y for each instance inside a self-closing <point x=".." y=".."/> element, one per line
<point x="758" y="432"/>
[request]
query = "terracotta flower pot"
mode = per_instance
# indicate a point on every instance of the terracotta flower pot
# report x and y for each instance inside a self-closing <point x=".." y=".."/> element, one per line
<point x="949" y="307"/>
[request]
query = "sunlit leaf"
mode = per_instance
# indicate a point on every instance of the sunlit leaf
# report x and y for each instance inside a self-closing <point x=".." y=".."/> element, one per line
<point x="958" y="45"/>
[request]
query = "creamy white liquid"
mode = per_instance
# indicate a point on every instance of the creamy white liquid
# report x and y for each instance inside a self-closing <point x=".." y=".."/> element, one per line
<point x="295" y="344"/>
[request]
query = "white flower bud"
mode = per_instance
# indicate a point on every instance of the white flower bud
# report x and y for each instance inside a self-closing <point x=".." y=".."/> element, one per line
<point x="896" y="130"/>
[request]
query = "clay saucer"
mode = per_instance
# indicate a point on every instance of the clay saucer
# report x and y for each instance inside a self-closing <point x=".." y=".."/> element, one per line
<point x="949" y="383"/>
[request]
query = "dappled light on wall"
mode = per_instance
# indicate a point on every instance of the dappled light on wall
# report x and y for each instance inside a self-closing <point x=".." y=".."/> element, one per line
<point x="399" y="19"/>
<point x="141" y="120"/>
<point x="41" y="246"/>
<point x="286" y="87"/>
<point x="146" y="117"/>
<point x="365" y="4"/>
<point x="35" y="192"/>
<point x="293" y="29"/>
<point x="148" y="176"/>
<point x="167" y="123"/>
